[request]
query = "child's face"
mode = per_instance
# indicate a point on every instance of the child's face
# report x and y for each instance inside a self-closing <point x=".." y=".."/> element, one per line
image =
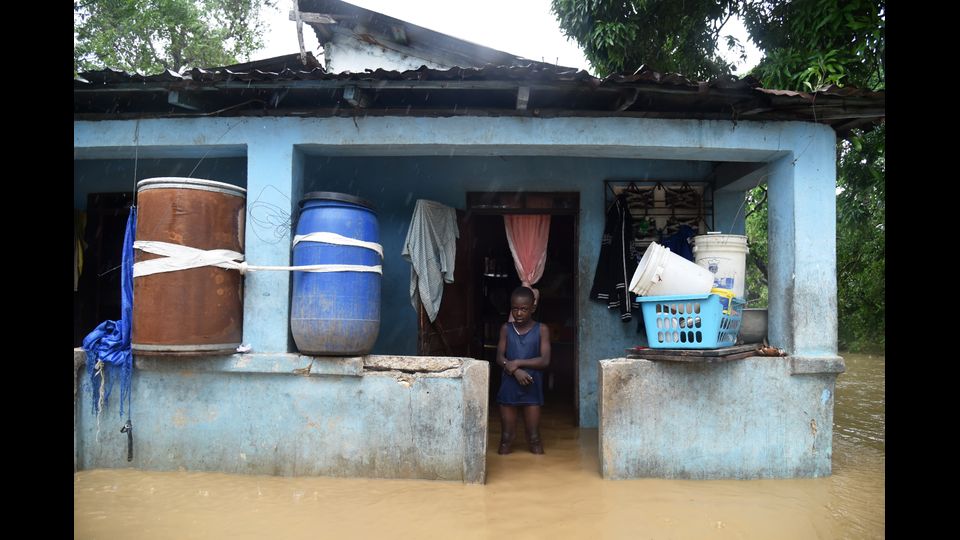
<point x="521" y="308"/>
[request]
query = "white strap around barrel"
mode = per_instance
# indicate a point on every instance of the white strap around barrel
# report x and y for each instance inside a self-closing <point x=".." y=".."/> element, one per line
<point x="177" y="257"/>
<point x="338" y="240"/>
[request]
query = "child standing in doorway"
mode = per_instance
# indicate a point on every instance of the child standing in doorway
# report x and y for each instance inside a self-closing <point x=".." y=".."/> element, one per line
<point x="522" y="351"/>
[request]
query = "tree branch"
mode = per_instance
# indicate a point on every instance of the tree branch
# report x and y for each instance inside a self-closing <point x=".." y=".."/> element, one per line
<point x="760" y="266"/>
<point x="758" y="205"/>
<point x="156" y="55"/>
<point x="716" y="32"/>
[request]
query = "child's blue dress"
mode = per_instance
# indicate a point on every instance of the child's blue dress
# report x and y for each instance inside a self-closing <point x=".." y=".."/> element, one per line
<point x="521" y="347"/>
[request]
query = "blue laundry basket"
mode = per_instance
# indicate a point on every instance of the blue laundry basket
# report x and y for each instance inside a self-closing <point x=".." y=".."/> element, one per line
<point x="690" y="321"/>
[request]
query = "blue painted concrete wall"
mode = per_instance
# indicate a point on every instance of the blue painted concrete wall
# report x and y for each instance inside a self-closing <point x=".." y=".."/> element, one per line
<point x="117" y="175"/>
<point x="394" y="184"/>
<point x="803" y="283"/>
<point x="289" y="415"/>
<point x="752" y="418"/>
<point x="730" y="212"/>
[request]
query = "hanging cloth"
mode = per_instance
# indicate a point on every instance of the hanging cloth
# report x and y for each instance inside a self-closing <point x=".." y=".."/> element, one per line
<point x="679" y="242"/>
<point x="615" y="266"/>
<point x="527" y="236"/>
<point x="431" y="250"/>
<point x="109" y="356"/>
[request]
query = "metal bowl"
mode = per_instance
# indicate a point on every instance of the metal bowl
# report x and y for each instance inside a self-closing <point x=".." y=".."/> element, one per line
<point x="753" y="327"/>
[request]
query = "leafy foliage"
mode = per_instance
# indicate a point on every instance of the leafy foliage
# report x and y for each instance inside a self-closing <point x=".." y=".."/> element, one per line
<point x="810" y="44"/>
<point x="667" y="35"/>
<point x="806" y="43"/>
<point x="150" y="36"/>
<point x="756" y="225"/>
<point x="861" y="256"/>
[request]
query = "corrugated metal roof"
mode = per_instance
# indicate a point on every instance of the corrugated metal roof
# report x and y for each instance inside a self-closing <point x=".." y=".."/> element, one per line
<point x="832" y="90"/>
<point x="282" y="86"/>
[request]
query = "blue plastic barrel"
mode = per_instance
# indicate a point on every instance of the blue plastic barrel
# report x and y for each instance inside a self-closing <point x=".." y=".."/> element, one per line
<point x="336" y="313"/>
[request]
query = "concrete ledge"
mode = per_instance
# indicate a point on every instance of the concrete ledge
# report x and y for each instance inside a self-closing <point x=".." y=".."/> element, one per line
<point x="806" y="365"/>
<point x="446" y="365"/>
<point x="279" y="363"/>
<point x="476" y="375"/>
<point x="373" y="417"/>
<point x="741" y="419"/>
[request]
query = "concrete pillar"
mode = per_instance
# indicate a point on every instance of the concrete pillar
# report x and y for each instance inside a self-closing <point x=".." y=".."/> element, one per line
<point x="802" y="233"/>
<point x="266" y="300"/>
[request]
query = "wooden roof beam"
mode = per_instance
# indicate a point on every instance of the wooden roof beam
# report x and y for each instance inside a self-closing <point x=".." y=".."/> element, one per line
<point x="523" y="97"/>
<point x="313" y="18"/>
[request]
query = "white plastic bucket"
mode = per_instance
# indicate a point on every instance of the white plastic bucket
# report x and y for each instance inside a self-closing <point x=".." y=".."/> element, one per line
<point x="663" y="273"/>
<point x="725" y="256"/>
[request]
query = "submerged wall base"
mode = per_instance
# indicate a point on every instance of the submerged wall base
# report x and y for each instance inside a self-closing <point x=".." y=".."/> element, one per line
<point x="759" y="417"/>
<point x="288" y="414"/>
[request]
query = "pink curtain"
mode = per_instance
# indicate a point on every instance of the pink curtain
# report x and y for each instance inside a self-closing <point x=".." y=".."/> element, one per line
<point x="527" y="236"/>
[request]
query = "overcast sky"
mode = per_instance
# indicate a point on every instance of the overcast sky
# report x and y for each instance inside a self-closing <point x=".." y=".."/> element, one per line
<point x="524" y="28"/>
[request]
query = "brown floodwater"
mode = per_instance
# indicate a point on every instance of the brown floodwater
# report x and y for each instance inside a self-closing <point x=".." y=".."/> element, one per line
<point x="557" y="495"/>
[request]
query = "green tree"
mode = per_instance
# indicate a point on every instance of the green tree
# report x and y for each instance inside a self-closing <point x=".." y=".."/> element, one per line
<point x="153" y="35"/>
<point x="807" y="45"/>
<point x="756" y="225"/>
<point x="861" y="224"/>
<point x="669" y="36"/>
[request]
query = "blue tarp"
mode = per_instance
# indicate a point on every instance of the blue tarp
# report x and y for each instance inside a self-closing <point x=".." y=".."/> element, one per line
<point x="110" y="341"/>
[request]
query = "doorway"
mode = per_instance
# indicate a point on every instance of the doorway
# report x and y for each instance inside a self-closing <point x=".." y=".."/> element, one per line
<point x="476" y="304"/>
<point x="495" y="277"/>
<point x="556" y="309"/>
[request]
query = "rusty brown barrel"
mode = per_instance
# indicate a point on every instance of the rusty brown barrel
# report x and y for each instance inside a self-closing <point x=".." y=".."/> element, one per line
<point x="197" y="310"/>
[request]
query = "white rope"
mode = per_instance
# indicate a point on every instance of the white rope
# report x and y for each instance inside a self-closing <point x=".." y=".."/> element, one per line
<point x="99" y="372"/>
<point x="176" y="257"/>
<point x="336" y="239"/>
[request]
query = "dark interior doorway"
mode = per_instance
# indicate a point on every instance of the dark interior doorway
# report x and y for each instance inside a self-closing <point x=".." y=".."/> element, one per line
<point x="96" y="296"/>
<point x="496" y="279"/>
<point x="477" y="303"/>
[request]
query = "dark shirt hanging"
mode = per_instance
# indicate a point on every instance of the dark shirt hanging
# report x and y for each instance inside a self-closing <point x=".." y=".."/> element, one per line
<point x="679" y="242"/>
<point x="615" y="266"/>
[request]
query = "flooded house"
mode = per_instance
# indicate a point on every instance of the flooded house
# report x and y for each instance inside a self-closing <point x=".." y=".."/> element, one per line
<point x="397" y="114"/>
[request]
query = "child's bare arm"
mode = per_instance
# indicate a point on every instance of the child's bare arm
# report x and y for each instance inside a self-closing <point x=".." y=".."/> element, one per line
<point x="501" y="350"/>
